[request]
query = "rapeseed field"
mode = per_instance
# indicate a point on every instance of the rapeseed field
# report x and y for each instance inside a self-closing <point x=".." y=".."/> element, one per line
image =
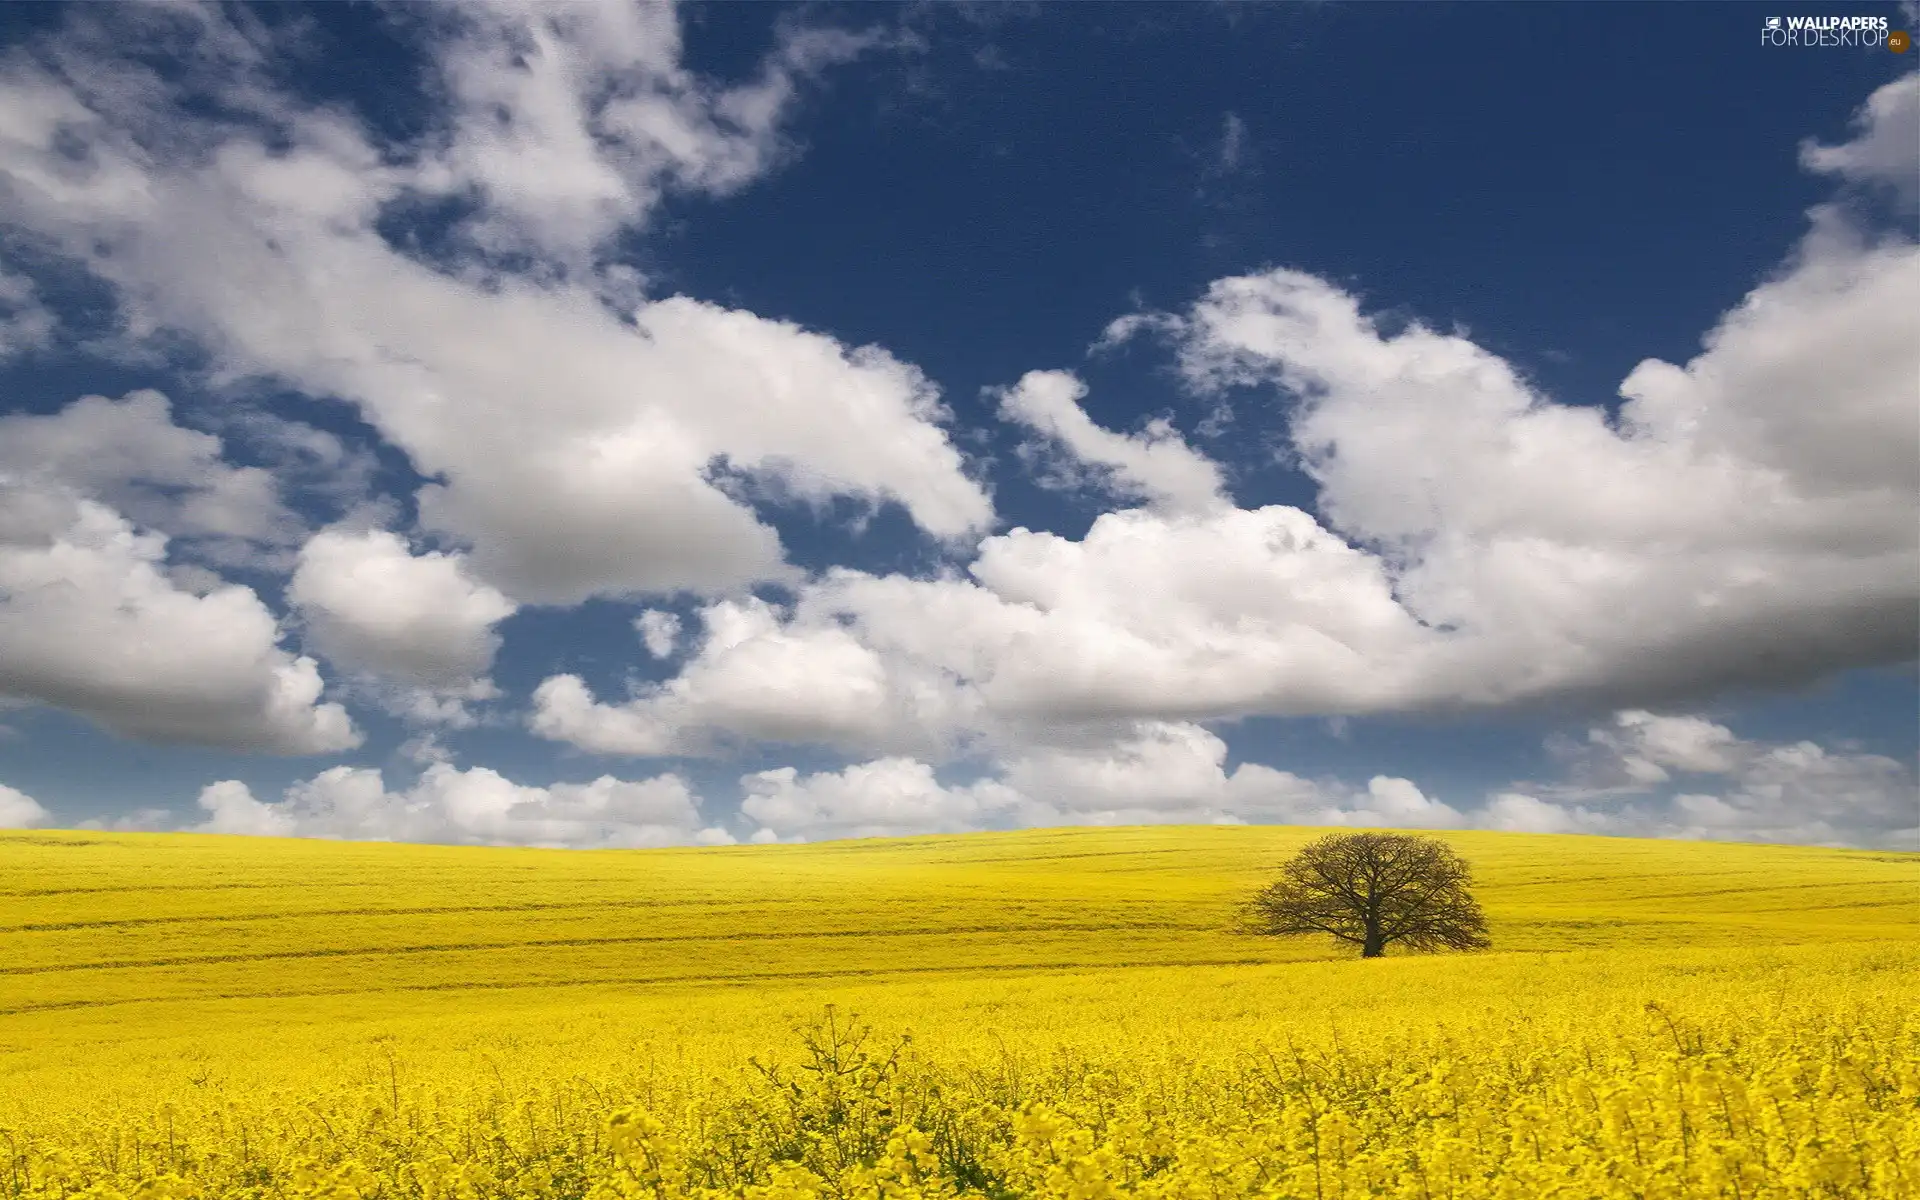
<point x="1052" y="1013"/>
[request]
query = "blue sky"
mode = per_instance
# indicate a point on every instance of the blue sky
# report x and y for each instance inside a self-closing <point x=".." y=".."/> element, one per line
<point x="620" y="426"/>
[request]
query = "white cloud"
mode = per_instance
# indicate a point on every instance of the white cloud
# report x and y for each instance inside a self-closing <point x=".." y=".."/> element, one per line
<point x="1157" y="773"/>
<point x="442" y="706"/>
<point x="130" y="455"/>
<point x="90" y="622"/>
<point x="140" y="820"/>
<point x="231" y="808"/>
<point x="371" y="604"/>
<point x="1646" y="744"/>
<point x="1149" y="616"/>
<point x="756" y="678"/>
<point x="1163" y="772"/>
<point x="475" y="806"/>
<point x="577" y="453"/>
<point x="1517" y="812"/>
<point x="1230" y="152"/>
<point x="564" y="709"/>
<point x="1749" y="520"/>
<point x="1887" y="147"/>
<point x="26" y="323"/>
<point x="1402" y="805"/>
<point x="1730" y="787"/>
<point x="1154" y="465"/>
<point x="551" y="509"/>
<point x="1234" y="611"/>
<point x="1802" y="792"/>
<point x="885" y="798"/>
<point x="572" y="121"/>
<point x="318" y="468"/>
<point x="1154" y="773"/>
<point x="425" y="749"/>
<point x="658" y="631"/>
<point x="19" y="810"/>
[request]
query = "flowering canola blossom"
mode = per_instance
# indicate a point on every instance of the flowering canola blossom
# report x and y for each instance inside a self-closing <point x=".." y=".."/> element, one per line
<point x="210" y="1057"/>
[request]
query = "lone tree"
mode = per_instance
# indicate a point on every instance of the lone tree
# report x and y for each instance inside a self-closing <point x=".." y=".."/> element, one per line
<point x="1374" y="889"/>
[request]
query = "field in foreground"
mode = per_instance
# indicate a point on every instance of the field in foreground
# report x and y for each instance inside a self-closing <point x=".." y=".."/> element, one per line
<point x="185" y="1016"/>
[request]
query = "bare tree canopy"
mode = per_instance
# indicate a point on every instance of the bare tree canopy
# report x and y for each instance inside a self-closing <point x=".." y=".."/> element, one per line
<point x="1374" y="889"/>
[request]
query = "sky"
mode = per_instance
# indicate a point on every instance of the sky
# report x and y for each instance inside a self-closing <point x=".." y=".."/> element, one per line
<point x="632" y="425"/>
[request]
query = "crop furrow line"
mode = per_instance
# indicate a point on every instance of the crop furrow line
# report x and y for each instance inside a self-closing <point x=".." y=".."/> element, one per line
<point x="550" y="943"/>
<point x="639" y="981"/>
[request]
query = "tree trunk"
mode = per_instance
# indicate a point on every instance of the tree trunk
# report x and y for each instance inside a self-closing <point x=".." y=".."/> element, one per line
<point x="1375" y="946"/>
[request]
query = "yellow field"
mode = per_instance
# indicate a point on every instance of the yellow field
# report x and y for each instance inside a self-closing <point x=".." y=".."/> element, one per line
<point x="186" y="1016"/>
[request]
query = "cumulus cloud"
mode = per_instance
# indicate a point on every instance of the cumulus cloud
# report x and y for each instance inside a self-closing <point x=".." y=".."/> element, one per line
<point x="1233" y="611"/>
<point x="91" y="622"/>
<point x="19" y="810"/>
<point x="130" y="455"/>
<point x="659" y="631"/>
<point x="476" y="806"/>
<point x="1747" y="519"/>
<point x="1728" y="531"/>
<point x="1645" y="774"/>
<point x="1645" y="745"/>
<point x="1154" y="465"/>
<point x="371" y="604"/>
<point x="425" y="706"/>
<point x="1151" y="773"/>
<point x="25" y="322"/>
<point x="1149" y="615"/>
<point x="1175" y="771"/>
<point x="1886" y="149"/>
<point x="884" y="798"/>
<point x="572" y="121"/>
<point x="140" y="820"/>
<point x="759" y="678"/>
<point x="424" y="749"/>
<point x="577" y="450"/>
<point x="1717" y="785"/>
<point x="1518" y="812"/>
